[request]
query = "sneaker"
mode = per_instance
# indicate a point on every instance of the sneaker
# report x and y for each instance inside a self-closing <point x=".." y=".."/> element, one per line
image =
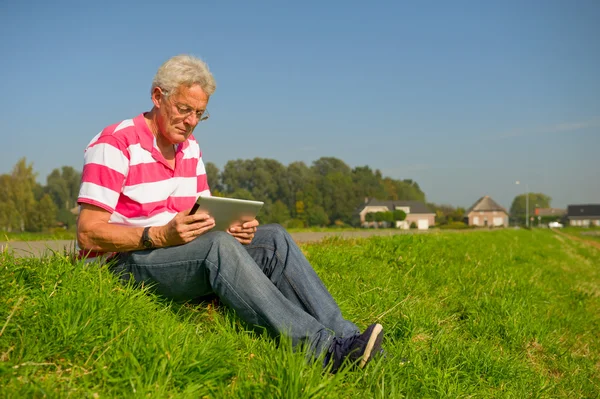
<point x="357" y="349"/>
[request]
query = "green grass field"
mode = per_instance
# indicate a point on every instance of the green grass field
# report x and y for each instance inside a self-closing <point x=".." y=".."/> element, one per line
<point x="500" y="314"/>
<point x="58" y="234"/>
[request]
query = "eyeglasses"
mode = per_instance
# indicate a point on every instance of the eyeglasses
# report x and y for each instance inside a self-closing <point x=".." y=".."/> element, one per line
<point x="185" y="110"/>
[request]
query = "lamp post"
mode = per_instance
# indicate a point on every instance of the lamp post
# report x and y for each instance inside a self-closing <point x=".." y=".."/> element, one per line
<point x="526" y="203"/>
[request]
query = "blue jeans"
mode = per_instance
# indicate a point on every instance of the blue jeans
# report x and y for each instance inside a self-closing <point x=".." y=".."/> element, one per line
<point x="269" y="283"/>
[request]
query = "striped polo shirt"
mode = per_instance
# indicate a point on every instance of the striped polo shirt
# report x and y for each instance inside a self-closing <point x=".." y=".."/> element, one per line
<point x="125" y="173"/>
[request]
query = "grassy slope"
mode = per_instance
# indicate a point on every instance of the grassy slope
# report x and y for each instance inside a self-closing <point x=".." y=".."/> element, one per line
<point x="484" y="314"/>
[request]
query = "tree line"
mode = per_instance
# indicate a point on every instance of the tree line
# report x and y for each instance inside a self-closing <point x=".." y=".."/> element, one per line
<point x="327" y="192"/>
<point x="26" y="205"/>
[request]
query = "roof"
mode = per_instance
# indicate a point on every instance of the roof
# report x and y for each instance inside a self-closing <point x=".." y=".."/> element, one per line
<point x="550" y="211"/>
<point x="485" y="204"/>
<point x="415" y="206"/>
<point x="583" y="210"/>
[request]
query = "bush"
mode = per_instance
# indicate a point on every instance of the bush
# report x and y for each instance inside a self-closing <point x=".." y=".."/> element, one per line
<point x="455" y="226"/>
<point x="294" y="224"/>
<point x="398" y="215"/>
<point x="340" y="224"/>
<point x="413" y="225"/>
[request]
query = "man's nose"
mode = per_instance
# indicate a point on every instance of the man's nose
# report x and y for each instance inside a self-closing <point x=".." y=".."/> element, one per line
<point x="192" y="119"/>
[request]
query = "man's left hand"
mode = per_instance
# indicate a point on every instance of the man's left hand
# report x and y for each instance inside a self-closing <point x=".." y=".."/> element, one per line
<point x="244" y="233"/>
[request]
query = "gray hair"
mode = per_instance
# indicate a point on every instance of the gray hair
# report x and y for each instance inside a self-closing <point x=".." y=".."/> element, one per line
<point x="184" y="70"/>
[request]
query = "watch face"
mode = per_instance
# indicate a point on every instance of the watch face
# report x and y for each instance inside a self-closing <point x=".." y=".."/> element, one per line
<point x="148" y="243"/>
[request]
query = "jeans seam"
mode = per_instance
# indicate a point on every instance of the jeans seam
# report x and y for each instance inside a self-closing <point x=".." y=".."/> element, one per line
<point x="213" y="266"/>
<point x="304" y="302"/>
<point x="296" y="291"/>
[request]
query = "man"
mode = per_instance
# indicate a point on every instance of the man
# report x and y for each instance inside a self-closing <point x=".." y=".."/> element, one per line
<point x="140" y="179"/>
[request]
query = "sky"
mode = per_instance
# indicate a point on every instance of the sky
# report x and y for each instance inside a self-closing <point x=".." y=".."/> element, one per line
<point x="464" y="97"/>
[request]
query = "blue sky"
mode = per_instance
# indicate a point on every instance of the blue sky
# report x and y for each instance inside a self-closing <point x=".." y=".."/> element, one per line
<point x="465" y="98"/>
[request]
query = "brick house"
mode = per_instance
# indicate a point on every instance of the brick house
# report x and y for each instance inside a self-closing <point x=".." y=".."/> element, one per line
<point x="583" y="215"/>
<point x="486" y="212"/>
<point x="416" y="212"/>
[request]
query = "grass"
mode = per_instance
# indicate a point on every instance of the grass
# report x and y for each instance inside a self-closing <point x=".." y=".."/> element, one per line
<point x="507" y="313"/>
<point x="589" y="233"/>
<point x="316" y="229"/>
<point x="57" y="234"/>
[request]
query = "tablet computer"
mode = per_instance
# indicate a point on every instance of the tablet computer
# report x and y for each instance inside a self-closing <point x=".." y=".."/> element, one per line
<point x="227" y="211"/>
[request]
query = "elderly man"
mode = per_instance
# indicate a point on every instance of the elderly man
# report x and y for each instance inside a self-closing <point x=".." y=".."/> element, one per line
<point x="141" y="177"/>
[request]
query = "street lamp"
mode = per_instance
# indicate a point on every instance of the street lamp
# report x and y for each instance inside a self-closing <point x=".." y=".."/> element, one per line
<point x="526" y="203"/>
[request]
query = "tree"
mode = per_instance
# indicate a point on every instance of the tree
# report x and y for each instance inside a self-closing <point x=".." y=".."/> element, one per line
<point x="446" y="213"/>
<point x="316" y="216"/>
<point x="370" y="217"/>
<point x="379" y="217"/>
<point x="20" y="190"/>
<point x="458" y="215"/>
<point x="9" y="219"/>
<point x="279" y="213"/>
<point x="47" y="211"/>
<point x="388" y="218"/>
<point x="213" y="177"/>
<point x="367" y="184"/>
<point x="265" y="179"/>
<point x="328" y="190"/>
<point x="440" y="217"/>
<point x="398" y="215"/>
<point x="334" y="182"/>
<point x="536" y="200"/>
<point x="242" y="193"/>
<point x="43" y="216"/>
<point x="406" y="190"/>
<point x="302" y="187"/>
<point x="63" y="187"/>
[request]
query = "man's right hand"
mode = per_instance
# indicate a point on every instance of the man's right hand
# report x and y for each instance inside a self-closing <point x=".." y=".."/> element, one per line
<point x="184" y="228"/>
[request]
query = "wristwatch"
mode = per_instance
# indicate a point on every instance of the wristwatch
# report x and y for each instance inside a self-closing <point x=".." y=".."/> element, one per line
<point x="146" y="240"/>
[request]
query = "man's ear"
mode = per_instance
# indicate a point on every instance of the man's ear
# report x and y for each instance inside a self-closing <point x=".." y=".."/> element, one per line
<point x="157" y="95"/>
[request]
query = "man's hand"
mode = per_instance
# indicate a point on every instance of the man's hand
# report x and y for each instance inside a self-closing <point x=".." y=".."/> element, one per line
<point x="183" y="228"/>
<point x="244" y="233"/>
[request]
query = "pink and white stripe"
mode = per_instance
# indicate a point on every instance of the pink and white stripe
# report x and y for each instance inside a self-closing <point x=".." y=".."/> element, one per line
<point x="125" y="174"/>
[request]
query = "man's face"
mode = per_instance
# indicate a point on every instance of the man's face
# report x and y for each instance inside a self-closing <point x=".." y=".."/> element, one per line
<point x="180" y="112"/>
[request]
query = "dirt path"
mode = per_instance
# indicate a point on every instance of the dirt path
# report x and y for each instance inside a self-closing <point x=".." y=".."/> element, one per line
<point x="37" y="248"/>
<point x="576" y="238"/>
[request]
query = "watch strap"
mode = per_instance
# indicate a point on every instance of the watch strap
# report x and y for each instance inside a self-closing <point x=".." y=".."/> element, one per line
<point x="146" y="240"/>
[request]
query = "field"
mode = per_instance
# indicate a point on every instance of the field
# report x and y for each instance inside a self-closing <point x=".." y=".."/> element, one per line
<point x="590" y="234"/>
<point x="58" y="234"/>
<point x="499" y="314"/>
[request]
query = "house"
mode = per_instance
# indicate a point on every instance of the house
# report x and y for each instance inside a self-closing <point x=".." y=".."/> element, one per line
<point x="416" y="212"/>
<point x="550" y="212"/>
<point x="549" y="215"/>
<point x="583" y="215"/>
<point x="486" y="212"/>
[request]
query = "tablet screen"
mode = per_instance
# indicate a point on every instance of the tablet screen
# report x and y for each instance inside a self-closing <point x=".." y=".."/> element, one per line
<point x="227" y="211"/>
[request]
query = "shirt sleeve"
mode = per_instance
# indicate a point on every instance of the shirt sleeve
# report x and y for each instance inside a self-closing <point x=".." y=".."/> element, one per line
<point x="105" y="168"/>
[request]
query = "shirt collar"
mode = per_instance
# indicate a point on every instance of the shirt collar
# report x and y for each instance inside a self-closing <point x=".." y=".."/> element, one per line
<point x="148" y="140"/>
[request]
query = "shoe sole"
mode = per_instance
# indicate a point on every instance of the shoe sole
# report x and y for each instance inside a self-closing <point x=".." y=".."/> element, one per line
<point x="374" y="342"/>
